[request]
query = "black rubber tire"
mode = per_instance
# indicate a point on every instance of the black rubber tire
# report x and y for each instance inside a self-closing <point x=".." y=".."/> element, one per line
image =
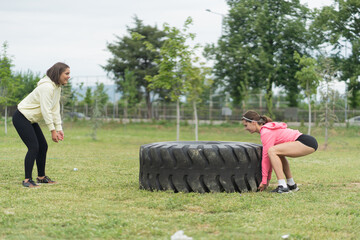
<point x="200" y="166"/>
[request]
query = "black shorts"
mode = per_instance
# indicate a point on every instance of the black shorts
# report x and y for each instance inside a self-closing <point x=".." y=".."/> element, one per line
<point x="308" y="140"/>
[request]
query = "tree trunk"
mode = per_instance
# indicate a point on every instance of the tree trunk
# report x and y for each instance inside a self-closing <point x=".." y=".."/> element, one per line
<point x="155" y="111"/>
<point x="326" y="116"/>
<point x="164" y="111"/>
<point x="326" y="129"/>
<point x="105" y="110"/>
<point x="196" y="121"/>
<point x="177" y="119"/>
<point x="268" y="97"/>
<point x="139" y="111"/>
<point x="114" y="111"/>
<point x="117" y="110"/>
<point x="149" y="105"/>
<point x="6" y="118"/>
<point x="62" y="111"/>
<point x="309" y="128"/>
<point x="210" y="107"/>
<point x="308" y="96"/>
<point x="95" y="120"/>
<point x="125" y="110"/>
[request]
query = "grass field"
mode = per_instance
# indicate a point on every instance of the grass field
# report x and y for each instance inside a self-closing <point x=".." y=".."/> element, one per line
<point x="102" y="199"/>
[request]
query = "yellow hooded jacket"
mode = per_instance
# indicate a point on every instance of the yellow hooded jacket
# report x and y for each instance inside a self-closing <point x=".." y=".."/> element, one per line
<point x="43" y="103"/>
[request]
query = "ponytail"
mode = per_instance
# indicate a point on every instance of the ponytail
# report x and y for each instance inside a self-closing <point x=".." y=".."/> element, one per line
<point x="264" y="119"/>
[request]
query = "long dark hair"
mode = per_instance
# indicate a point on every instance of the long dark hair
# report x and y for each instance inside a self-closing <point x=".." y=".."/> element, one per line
<point x="252" y="116"/>
<point x="55" y="72"/>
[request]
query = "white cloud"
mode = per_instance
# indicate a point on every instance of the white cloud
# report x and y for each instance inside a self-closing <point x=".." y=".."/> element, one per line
<point x="42" y="32"/>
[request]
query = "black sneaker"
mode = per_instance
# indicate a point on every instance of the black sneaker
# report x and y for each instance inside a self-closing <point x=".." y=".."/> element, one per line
<point x="293" y="188"/>
<point x="30" y="183"/>
<point x="46" y="179"/>
<point x="280" y="189"/>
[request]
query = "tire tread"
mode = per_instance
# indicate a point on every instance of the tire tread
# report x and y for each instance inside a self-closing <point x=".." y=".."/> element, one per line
<point x="200" y="166"/>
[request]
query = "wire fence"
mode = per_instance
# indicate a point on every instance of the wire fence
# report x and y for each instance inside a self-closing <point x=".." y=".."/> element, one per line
<point x="205" y="113"/>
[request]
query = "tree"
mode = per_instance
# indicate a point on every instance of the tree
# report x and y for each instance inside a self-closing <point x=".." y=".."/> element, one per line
<point x="339" y="26"/>
<point x="7" y="85"/>
<point x="130" y="53"/>
<point x="175" y="65"/>
<point x="88" y="100"/>
<point x="328" y="72"/>
<point x="100" y="98"/>
<point x="129" y="93"/>
<point x="14" y="86"/>
<point x="257" y="48"/>
<point x="27" y="82"/>
<point x="100" y="94"/>
<point x="68" y="98"/>
<point x="198" y="83"/>
<point x="308" y="77"/>
<point x="350" y="68"/>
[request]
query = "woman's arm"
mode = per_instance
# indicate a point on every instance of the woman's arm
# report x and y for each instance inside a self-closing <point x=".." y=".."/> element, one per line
<point x="46" y="99"/>
<point x="267" y="141"/>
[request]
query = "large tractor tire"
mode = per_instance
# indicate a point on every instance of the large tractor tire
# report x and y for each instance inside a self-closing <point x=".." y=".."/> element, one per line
<point x="200" y="166"/>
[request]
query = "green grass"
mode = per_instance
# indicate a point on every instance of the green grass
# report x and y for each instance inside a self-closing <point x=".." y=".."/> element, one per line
<point x="102" y="199"/>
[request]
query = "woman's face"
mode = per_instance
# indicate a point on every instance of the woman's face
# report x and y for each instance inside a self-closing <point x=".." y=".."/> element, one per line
<point x="250" y="126"/>
<point x="64" y="77"/>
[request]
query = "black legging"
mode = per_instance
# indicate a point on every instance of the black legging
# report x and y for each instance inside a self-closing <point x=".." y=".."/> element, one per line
<point x="35" y="141"/>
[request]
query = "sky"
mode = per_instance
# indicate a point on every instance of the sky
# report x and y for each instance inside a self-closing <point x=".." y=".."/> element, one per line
<point x="40" y="33"/>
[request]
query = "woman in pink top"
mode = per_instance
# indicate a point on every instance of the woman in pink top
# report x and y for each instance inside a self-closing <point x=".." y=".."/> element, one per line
<point x="278" y="143"/>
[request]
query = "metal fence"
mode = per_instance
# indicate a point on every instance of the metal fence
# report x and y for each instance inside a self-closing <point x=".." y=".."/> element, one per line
<point x="168" y="112"/>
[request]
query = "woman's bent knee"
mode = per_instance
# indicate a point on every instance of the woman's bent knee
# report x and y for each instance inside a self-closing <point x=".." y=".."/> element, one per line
<point x="43" y="148"/>
<point x="33" y="152"/>
<point x="271" y="151"/>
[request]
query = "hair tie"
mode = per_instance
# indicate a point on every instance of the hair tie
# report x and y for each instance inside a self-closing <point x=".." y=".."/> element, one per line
<point x="261" y="120"/>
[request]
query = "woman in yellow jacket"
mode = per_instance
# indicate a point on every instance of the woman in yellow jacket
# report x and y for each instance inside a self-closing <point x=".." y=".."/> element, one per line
<point x="42" y="103"/>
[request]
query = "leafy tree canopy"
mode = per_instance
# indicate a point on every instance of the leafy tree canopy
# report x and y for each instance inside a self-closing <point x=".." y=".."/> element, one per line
<point x="129" y="53"/>
<point x="257" y="48"/>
